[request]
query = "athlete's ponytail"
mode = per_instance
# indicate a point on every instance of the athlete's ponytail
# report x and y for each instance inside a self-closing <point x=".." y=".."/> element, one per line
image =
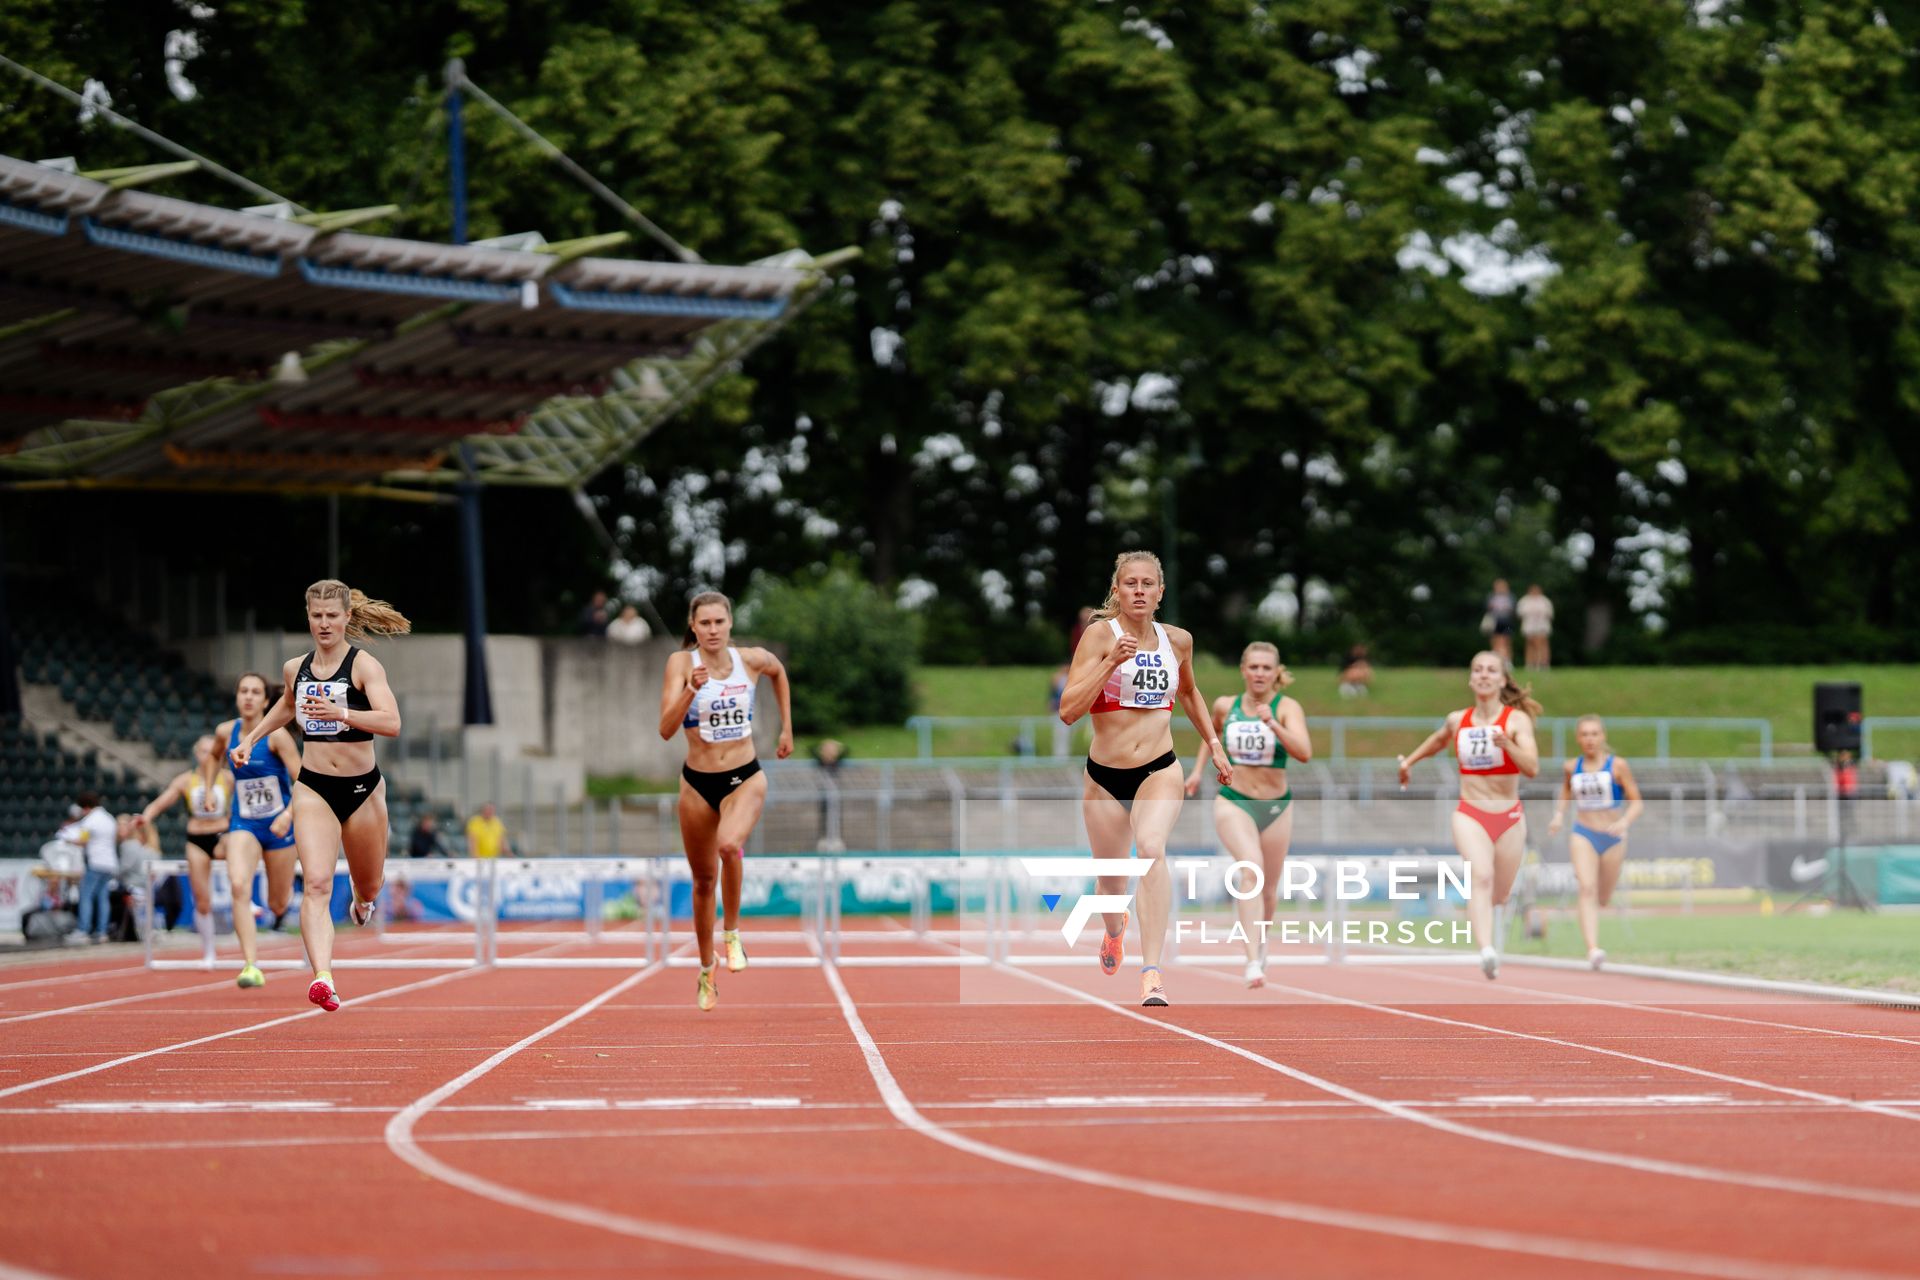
<point x="366" y="617"/>
<point x="1111" y="608"/>
<point x="1285" y="677"/>
<point x="1512" y="695"/>
<point x="695" y="605"/>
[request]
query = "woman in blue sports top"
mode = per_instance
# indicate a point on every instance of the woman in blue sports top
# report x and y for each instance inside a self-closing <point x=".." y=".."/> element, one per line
<point x="1128" y="672"/>
<point x="1606" y="800"/>
<point x="262" y="829"/>
<point x="339" y="694"/>
<point x="1261" y="727"/>
<point x="708" y="690"/>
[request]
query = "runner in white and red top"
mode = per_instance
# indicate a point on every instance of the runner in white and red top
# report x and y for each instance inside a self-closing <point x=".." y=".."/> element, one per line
<point x="1493" y="742"/>
<point x="1128" y="672"/>
<point x="708" y="691"/>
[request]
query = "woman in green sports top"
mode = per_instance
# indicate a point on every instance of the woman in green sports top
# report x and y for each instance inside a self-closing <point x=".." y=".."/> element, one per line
<point x="1261" y="727"/>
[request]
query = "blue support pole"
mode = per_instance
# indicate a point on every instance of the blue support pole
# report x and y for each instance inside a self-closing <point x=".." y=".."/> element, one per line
<point x="457" y="148"/>
<point x="477" y="696"/>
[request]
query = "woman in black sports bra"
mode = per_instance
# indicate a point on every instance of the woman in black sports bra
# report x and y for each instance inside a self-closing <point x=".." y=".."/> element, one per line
<point x="338" y="694"/>
<point x="708" y="690"/>
<point x="1128" y="672"/>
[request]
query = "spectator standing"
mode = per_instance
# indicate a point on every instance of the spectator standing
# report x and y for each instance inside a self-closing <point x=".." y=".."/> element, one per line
<point x="1536" y="625"/>
<point x="1356" y="673"/>
<point x="1497" y="625"/>
<point x="96" y="832"/>
<point x="425" y="842"/>
<point x="487" y="835"/>
<point x="629" y="627"/>
<point x="593" y="618"/>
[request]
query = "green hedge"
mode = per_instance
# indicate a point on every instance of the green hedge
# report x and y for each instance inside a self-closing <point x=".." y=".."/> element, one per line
<point x="850" y="651"/>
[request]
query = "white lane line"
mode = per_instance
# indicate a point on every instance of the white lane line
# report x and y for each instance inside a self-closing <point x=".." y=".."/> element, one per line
<point x="1506" y="1104"/>
<point x="1639" y="1164"/>
<point x="1810" y="1095"/>
<point x="400" y="1140"/>
<point x="1024" y="1123"/>
<point x="10" y="1272"/>
<point x="103" y="1004"/>
<point x="1580" y="998"/>
<point x="1633" y="1257"/>
<point x="62" y="978"/>
<point x="347" y="1007"/>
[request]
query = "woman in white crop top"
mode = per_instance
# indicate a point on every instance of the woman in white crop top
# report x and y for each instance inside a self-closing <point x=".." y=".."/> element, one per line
<point x="709" y="691"/>
<point x="207" y="790"/>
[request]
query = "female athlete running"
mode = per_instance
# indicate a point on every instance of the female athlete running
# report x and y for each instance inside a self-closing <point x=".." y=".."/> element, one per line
<point x="1254" y="817"/>
<point x="708" y="690"/>
<point x="1606" y="800"/>
<point x="1493" y="741"/>
<point x="208" y="791"/>
<point x="262" y="829"/>
<point x="339" y="799"/>
<point x="1128" y="672"/>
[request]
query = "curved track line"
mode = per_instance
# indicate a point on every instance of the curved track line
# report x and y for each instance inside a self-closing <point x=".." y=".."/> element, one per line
<point x="1809" y="1095"/>
<point x="1577" y="998"/>
<point x="1631" y="1257"/>
<point x="103" y="1004"/>
<point x="1639" y="1164"/>
<point x="400" y="1140"/>
<point x="29" y="1085"/>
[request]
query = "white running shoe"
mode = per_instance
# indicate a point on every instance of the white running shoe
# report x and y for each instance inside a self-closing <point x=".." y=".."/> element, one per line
<point x="1596" y="958"/>
<point x="361" y="913"/>
<point x="1256" y="976"/>
<point x="1490" y="962"/>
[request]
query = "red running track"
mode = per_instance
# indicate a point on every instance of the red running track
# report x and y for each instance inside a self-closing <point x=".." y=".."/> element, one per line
<point x="920" y="1122"/>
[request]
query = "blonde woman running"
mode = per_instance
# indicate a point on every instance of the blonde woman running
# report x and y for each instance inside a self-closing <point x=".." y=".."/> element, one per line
<point x="1128" y="672"/>
<point x="1254" y="817"/>
<point x="1606" y="802"/>
<point x="708" y="690"/>
<point x="1493" y="743"/>
<point x="339" y="799"/>
<point x="207" y="790"/>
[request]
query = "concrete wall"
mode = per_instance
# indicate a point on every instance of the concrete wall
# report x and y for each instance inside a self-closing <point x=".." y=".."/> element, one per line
<point x="603" y="707"/>
<point x="427" y="673"/>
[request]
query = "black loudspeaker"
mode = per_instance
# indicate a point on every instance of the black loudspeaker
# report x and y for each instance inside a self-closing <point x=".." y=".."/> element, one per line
<point x="1836" y="718"/>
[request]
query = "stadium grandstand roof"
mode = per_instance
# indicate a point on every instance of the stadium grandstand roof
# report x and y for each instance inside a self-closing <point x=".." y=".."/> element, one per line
<point x="151" y="342"/>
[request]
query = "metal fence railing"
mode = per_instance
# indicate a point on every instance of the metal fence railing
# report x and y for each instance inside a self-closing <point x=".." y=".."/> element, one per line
<point x="981" y="804"/>
<point x="1353" y="737"/>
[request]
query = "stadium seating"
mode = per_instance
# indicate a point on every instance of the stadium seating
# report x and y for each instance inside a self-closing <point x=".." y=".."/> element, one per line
<point x="38" y="781"/>
<point x="115" y="676"/>
<point x="112" y="674"/>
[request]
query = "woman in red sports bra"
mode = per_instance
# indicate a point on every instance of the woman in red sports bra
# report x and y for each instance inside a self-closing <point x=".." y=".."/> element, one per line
<point x="1493" y="742"/>
<point x="1128" y="671"/>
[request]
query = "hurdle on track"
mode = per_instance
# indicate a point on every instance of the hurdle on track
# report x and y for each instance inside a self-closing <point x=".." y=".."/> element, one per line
<point x="996" y="918"/>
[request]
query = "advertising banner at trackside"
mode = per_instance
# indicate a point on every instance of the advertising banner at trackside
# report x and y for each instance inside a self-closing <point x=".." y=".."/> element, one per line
<point x="1888" y="873"/>
<point x="563" y="895"/>
<point x="19" y="891"/>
